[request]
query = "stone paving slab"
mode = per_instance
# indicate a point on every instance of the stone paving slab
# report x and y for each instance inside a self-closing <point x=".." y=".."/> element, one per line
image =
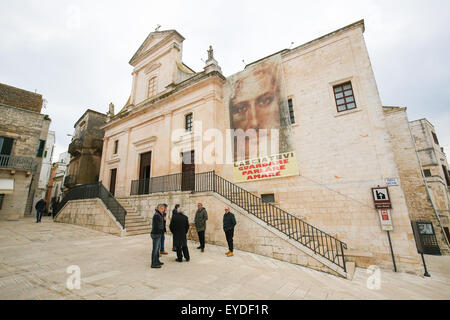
<point x="34" y="259"/>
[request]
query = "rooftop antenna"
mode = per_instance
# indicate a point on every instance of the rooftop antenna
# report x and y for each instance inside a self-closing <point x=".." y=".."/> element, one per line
<point x="157" y="27"/>
<point x="292" y="43"/>
<point x="244" y="62"/>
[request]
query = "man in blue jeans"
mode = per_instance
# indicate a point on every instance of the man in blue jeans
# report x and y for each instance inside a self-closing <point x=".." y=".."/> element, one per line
<point x="157" y="231"/>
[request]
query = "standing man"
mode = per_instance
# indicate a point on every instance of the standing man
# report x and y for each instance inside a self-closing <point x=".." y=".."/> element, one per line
<point x="229" y="221"/>
<point x="55" y="203"/>
<point x="175" y="210"/>
<point x="200" y="224"/>
<point x="157" y="230"/>
<point x="179" y="226"/>
<point x="40" y="207"/>
<point x="164" y="231"/>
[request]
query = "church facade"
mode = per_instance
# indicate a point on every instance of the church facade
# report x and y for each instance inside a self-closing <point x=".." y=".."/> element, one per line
<point x="303" y="129"/>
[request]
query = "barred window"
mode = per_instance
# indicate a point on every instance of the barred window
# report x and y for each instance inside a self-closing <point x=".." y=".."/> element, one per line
<point x="344" y="96"/>
<point x="291" y="111"/>
<point x="188" y="122"/>
<point x="151" y="87"/>
<point x="268" y="198"/>
<point x="427" y="172"/>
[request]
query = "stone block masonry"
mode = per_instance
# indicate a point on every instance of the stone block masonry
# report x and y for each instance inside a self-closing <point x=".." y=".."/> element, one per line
<point x="90" y="213"/>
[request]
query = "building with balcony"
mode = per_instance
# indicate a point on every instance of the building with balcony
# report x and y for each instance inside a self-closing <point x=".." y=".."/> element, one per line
<point x="85" y="150"/>
<point x="57" y="175"/>
<point x="23" y="135"/>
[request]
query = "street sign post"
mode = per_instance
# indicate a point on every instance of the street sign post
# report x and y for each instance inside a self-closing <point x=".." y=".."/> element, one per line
<point x="382" y="202"/>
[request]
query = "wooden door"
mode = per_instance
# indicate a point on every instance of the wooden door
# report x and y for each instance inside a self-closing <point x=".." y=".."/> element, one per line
<point x="144" y="172"/>
<point x="112" y="181"/>
<point x="188" y="171"/>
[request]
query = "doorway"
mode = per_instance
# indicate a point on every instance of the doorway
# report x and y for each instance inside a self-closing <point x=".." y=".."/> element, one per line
<point x="112" y="181"/>
<point x="188" y="171"/>
<point x="144" y="172"/>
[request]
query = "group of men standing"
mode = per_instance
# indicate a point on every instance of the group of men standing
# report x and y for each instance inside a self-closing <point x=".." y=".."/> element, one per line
<point x="179" y="226"/>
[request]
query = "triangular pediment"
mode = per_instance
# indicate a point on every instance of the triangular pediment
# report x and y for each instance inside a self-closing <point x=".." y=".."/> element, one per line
<point x="152" y="41"/>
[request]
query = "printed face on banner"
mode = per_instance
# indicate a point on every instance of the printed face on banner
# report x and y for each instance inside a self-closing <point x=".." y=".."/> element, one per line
<point x="259" y="117"/>
<point x="258" y="111"/>
<point x="255" y="104"/>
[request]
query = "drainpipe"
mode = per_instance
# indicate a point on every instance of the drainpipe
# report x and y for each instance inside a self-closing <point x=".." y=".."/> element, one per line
<point x="425" y="181"/>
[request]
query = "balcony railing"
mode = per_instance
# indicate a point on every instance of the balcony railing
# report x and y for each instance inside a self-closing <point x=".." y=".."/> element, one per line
<point x="75" y="146"/>
<point x="17" y="163"/>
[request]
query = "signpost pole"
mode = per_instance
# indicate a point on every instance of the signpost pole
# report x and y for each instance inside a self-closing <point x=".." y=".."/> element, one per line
<point x="392" y="251"/>
<point x="425" y="266"/>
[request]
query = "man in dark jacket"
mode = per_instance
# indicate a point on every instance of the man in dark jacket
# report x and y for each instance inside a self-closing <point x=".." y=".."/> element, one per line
<point x="229" y="221"/>
<point x="157" y="230"/>
<point x="55" y="205"/>
<point x="200" y="224"/>
<point x="40" y="207"/>
<point x="173" y="239"/>
<point x="179" y="226"/>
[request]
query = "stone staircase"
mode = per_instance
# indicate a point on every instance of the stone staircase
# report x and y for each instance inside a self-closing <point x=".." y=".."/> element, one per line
<point x="135" y="224"/>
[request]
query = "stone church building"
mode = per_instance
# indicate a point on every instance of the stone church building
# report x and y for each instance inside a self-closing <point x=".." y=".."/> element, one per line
<point x="312" y="203"/>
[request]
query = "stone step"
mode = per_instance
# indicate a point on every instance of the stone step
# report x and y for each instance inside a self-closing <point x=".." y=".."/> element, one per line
<point x="134" y="215"/>
<point x="136" y="224"/>
<point x="133" y="221"/>
<point x="136" y="233"/>
<point x="145" y="228"/>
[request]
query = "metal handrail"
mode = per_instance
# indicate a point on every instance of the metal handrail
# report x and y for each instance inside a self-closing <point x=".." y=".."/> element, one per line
<point x="92" y="191"/>
<point x="320" y="242"/>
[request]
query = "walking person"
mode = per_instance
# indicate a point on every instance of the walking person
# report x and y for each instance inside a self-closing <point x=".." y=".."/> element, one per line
<point x="40" y="207"/>
<point x="157" y="230"/>
<point x="175" y="210"/>
<point x="200" y="224"/>
<point x="179" y="226"/>
<point x="163" y="238"/>
<point x="229" y="222"/>
<point x="55" y="203"/>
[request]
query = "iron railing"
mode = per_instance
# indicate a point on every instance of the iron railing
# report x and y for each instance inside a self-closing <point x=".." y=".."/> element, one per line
<point x="92" y="191"/>
<point x="320" y="242"/>
<point x="15" y="162"/>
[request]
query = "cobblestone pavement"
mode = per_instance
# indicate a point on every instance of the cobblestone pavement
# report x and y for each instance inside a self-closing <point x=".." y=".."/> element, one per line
<point x="34" y="259"/>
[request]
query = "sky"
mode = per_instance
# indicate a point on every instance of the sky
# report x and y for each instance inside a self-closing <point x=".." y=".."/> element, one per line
<point x="76" y="53"/>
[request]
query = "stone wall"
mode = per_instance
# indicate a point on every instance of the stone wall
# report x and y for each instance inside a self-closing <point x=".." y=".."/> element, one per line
<point x="16" y="97"/>
<point x="90" y="213"/>
<point x="249" y="235"/>
<point x="14" y="204"/>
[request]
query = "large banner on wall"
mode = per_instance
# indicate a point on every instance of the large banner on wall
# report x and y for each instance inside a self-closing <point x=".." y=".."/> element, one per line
<point x="277" y="166"/>
<point x="259" y="117"/>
